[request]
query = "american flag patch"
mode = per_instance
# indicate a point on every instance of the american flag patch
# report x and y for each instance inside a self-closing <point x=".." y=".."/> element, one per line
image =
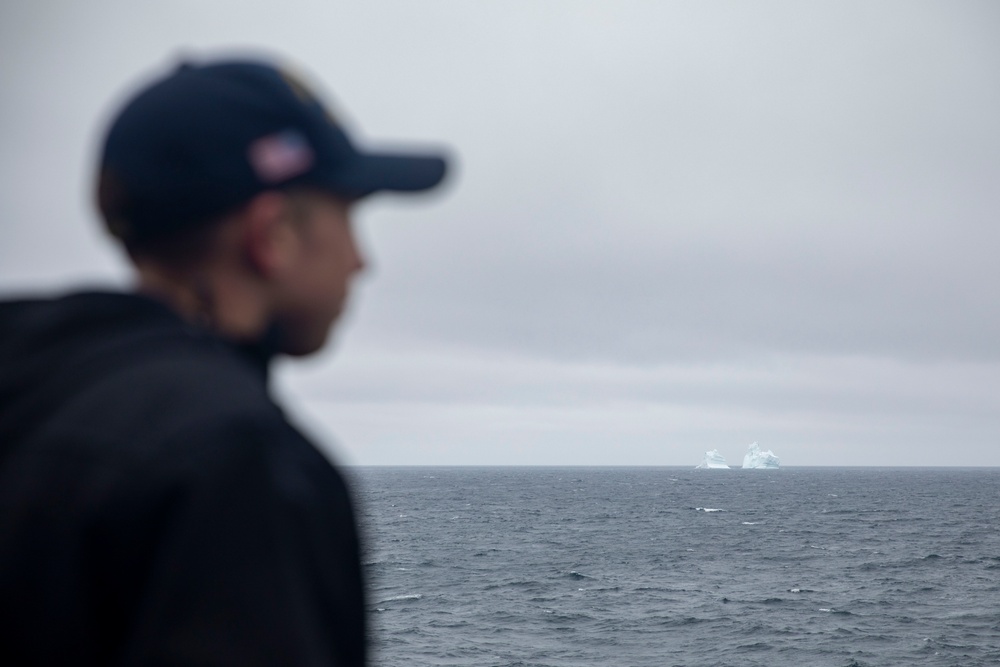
<point x="279" y="157"/>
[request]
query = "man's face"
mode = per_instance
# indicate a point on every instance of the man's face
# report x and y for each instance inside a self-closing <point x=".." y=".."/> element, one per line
<point x="316" y="285"/>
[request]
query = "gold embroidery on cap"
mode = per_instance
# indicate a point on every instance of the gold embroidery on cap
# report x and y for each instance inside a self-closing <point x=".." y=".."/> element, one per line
<point x="304" y="94"/>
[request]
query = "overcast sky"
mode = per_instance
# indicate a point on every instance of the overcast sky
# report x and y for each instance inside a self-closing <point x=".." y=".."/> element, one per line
<point x="671" y="227"/>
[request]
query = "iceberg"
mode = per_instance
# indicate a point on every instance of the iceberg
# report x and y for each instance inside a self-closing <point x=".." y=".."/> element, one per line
<point x="713" y="459"/>
<point x="758" y="459"/>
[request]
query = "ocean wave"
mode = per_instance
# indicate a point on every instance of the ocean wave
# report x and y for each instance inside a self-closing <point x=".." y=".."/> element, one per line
<point x="701" y="588"/>
<point x="397" y="598"/>
<point x="515" y="583"/>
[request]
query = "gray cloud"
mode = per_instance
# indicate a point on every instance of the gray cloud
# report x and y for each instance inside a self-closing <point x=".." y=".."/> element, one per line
<point x="667" y="220"/>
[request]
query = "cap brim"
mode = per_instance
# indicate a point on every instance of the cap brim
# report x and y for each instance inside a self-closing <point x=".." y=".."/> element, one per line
<point x="368" y="173"/>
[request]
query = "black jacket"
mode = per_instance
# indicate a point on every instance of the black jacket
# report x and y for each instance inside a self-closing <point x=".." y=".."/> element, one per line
<point x="156" y="507"/>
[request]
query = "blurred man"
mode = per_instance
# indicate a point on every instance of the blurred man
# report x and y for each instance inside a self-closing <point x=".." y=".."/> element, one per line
<point x="156" y="507"/>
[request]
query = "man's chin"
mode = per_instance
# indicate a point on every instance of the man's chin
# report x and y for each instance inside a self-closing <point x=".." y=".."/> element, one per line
<point x="302" y="348"/>
<point x="296" y="342"/>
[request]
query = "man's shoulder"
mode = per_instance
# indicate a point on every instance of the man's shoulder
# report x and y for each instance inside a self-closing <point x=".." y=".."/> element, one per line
<point x="115" y="387"/>
<point x="168" y="385"/>
<point x="121" y="368"/>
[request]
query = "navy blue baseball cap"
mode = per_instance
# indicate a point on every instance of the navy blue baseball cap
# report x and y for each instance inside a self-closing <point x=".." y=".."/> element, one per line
<point x="206" y="138"/>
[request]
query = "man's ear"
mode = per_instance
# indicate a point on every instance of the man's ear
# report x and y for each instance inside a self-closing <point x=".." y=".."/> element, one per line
<point x="269" y="243"/>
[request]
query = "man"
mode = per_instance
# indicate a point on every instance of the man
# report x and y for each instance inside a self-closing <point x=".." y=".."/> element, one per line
<point x="156" y="507"/>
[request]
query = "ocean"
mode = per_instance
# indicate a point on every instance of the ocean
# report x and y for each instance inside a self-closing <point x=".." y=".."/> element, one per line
<point x="560" y="567"/>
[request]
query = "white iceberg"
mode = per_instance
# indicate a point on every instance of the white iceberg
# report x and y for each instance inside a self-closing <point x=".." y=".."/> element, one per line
<point x="713" y="459"/>
<point x="758" y="459"/>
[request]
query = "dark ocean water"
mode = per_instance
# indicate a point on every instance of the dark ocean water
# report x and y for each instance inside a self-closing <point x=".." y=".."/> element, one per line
<point x="676" y="566"/>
